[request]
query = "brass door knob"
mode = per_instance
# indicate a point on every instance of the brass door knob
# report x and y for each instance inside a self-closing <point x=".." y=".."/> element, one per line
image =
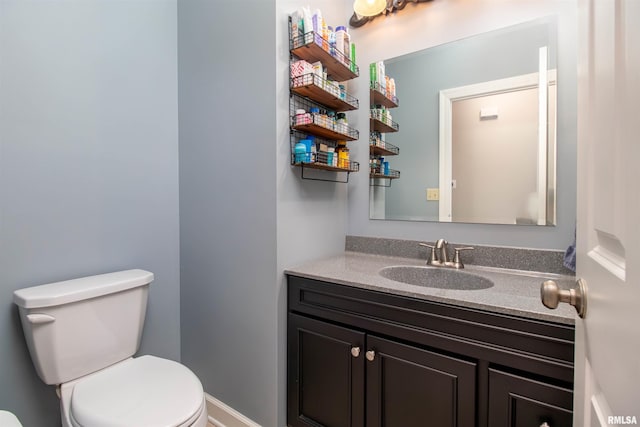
<point x="551" y="296"/>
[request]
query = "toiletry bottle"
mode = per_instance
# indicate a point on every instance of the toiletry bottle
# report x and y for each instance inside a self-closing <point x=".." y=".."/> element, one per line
<point x="330" y="156"/>
<point x="332" y="41"/>
<point x="341" y="32"/>
<point x="315" y="115"/>
<point x="347" y="48"/>
<point x="306" y="157"/>
<point x="341" y="123"/>
<point x="325" y="35"/>
<point x="352" y="57"/>
<point x="307" y="25"/>
<point x="373" y="76"/>
<point x="297" y="24"/>
<point x="343" y="155"/>
<point x="300" y="152"/>
<point x="317" y="27"/>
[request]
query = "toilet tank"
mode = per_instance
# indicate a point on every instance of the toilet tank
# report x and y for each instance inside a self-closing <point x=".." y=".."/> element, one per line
<point x="79" y="326"/>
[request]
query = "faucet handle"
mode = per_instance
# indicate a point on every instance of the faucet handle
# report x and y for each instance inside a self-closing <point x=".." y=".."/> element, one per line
<point x="456" y="258"/>
<point x="432" y="258"/>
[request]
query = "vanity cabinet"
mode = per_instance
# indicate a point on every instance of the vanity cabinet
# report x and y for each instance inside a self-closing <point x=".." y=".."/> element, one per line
<point x="358" y="357"/>
<point x="519" y="401"/>
<point x="399" y="384"/>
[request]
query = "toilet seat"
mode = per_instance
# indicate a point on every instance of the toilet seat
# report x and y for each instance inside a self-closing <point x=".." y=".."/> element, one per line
<point x="145" y="392"/>
<point x="7" y="419"/>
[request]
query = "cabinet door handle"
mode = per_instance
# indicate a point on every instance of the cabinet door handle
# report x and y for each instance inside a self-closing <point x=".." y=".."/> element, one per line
<point x="355" y="351"/>
<point x="545" y="424"/>
<point x="370" y="355"/>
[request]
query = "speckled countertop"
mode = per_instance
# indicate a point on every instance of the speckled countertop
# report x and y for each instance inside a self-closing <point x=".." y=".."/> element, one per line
<point x="515" y="292"/>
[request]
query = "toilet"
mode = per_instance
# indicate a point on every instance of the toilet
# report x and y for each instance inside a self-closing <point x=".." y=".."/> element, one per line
<point x="7" y="419"/>
<point x="82" y="335"/>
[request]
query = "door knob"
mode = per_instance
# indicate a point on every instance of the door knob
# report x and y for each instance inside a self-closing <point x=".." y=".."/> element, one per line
<point x="370" y="355"/>
<point x="551" y="296"/>
<point x="355" y="351"/>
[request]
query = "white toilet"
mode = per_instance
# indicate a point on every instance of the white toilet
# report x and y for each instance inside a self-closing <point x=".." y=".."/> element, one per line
<point x="82" y="334"/>
<point x="7" y="419"/>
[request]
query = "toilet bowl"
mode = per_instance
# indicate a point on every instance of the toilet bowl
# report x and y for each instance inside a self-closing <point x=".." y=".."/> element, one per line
<point x="7" y="419"/>
<point x="142" y="391"/>
<point x="82" y="335"/>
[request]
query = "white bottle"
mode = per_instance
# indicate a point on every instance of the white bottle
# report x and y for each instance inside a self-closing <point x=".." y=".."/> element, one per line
<point x="341" y="33"/>
<point x="347" y="48"/>
<point x="307" y="25"/>
<point x="297" y="24"/>
<point x="381" y="76"/>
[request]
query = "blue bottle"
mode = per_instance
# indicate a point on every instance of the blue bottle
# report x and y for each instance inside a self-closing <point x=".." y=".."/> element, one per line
<point x="300" y="152"/>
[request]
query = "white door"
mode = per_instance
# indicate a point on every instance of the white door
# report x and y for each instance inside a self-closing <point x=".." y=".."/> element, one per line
<point x="608" y="339"/>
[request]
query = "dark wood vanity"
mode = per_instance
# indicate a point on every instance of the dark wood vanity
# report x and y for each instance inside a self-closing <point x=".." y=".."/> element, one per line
<point x="359" y="357"/>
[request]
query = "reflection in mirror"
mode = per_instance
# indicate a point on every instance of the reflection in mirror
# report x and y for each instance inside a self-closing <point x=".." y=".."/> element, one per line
<point x="476" y="131"/>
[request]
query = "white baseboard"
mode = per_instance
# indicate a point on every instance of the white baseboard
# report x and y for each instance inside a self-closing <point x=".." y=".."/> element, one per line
<point x="221" y="415"/>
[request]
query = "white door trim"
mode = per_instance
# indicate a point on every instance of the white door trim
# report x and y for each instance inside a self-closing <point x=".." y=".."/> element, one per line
<point x="493" y="87"/>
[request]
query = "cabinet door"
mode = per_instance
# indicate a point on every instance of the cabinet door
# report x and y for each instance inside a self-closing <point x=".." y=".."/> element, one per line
<point x="326" y="374"/>
<point x="515" y="401"/>
<point x="412" y="387"/>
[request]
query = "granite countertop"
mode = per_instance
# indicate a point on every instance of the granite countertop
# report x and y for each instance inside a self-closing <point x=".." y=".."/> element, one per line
<point x="515" y="292"/>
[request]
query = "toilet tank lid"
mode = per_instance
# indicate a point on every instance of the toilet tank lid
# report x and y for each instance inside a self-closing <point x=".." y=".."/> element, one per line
<point x="68" y="291"/>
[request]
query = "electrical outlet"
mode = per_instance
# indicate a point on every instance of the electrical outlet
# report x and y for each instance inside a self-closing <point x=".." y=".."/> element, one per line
<point x="433" y="194"/>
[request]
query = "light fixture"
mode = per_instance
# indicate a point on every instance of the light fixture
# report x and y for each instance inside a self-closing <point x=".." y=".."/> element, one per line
<point x="366" y="10"/>
<point x="369" y="7"/>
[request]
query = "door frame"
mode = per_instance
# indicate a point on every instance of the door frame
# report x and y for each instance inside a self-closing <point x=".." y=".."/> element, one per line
<point x="493" y="87"/>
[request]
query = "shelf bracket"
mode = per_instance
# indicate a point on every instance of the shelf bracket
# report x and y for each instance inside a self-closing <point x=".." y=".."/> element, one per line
<point x="380" y="185"/>
<point x="302" y="168"/>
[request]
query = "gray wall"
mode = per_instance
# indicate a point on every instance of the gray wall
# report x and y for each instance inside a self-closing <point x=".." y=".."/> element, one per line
<point x="245" y="213"/>
<point x="312" y="215"/>
<point x="434" y="23"/>
<point x="88" y="166"/>
<point x="227" y="122"/>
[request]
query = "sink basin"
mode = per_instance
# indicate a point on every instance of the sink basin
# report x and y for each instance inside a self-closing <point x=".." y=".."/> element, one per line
<point x="436" y="277"/>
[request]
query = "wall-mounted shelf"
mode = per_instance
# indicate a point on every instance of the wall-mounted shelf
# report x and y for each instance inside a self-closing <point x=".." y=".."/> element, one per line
<point x="378" y="96"/>
<point x="350" y="167"/>
<point x="376" y="177"/>
<point x="378" y="147"/>
<point x="322" y="126"/>
<point x="380" y="121"/>
<point x="323" y="91"/>
<point x="308" y="46"/>
<point x="320" y="160"/>
<point x="317" y="103"/>
<point x="384" y="126"/>
<point x="393" y="174"/>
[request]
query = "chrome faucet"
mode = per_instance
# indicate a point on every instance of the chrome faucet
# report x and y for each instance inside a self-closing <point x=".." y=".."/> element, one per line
<point x="440" y="254"/>
<point x="442" y="248"/>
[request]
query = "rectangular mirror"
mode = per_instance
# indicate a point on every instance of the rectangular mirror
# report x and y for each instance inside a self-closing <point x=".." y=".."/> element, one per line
<point x="466" y="131"/>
